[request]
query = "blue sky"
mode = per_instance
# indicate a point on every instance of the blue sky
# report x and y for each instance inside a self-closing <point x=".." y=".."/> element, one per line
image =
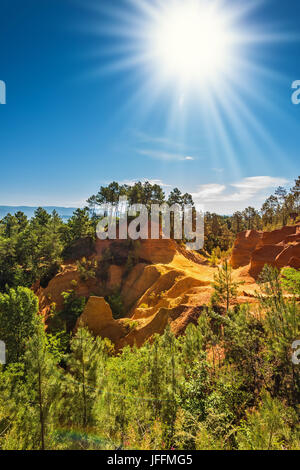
<point x="83" y="109"/>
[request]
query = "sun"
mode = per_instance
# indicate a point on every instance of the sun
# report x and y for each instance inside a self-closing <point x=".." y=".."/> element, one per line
<point x="190" y="41"/>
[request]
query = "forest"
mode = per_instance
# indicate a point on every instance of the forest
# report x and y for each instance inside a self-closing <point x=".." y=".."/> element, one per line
<point x="228" y="383"/>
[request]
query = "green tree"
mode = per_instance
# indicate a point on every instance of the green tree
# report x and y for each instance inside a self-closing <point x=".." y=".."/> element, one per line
<point x="82" y="380"/>
<point x="225" y="289"/>
<point x="80" y="225"/>
<point x="41" y="217"/>
<point x="282" y="327"/>
<point x="32" y="392"/>
<point x="272" y="427"/>
<point x="18" y="309"/>
<point x="290" y="280"/>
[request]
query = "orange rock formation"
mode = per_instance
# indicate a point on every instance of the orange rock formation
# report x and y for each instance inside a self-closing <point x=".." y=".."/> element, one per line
<point x="278" y="248"/>
<point x="167" y="285"/>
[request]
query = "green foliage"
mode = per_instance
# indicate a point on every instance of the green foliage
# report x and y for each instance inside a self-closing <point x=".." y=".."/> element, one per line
<point x="87" y="269"/>
<point x="79" y="226"/>
<point x="169" y="393"/>
<point x="80" y="382"/>
<point x="290" y="280"/>
<point x="130" y="325"/>
<point x="66" y="319"/>
<point x="139" y="193"/>
<point x="273" y="426"/>
<point x="116" y="304"/>
<point x="227" y="383"/>
<point x="18" y="309"/>
<point x="225" y="289"/>
<point x="282" y="327"/>
<point x="31" y="394"/>
<point x="29" y="251"/>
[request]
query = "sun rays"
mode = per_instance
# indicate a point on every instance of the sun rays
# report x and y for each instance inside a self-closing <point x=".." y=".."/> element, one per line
<point x="199" y="58"/>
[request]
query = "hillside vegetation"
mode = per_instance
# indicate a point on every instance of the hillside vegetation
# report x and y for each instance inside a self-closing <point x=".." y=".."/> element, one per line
<point x="146" y="345"/>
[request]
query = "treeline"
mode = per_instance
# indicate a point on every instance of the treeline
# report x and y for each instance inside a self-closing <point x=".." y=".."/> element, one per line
<point x="220" y="231"/>
<point x="32" y="250"/>
<point x="228" y="383"/>
<point x="138" y="193"/>
<point x="278" y="210"/>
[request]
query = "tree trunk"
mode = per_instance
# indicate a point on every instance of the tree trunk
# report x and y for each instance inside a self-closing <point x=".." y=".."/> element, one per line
<point x="42" y="423"/>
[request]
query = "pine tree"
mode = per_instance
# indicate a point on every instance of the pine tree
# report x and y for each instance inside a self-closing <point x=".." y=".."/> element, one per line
<point x="82" y="381"/>
<point x="43" y="381"/>
<point x="32" y="392"/>
<point x="18" y="309"/>
<point x="225" y="289"/>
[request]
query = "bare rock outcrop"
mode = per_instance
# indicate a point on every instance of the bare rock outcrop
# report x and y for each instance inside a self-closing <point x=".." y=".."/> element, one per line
<point x="167" y="285"/>
<point x="139" y="281"/>
<point x="267" y="254"/>
<point x="245" y="244"/>
<point x="97" y="317"/>
<point x="279" y="236"/>
<point x="114" y="277"/>
<point x="153" y="325"/>
<point x="68" y="279"/>
<point x="277" y="248"/>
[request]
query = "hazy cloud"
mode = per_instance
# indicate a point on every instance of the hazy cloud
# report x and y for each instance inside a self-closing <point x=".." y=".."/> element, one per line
<point x="209" y="191"/>
<point x="143" y="180"/>
<point x="162" y="155"/>
<point x="236" y="196"/>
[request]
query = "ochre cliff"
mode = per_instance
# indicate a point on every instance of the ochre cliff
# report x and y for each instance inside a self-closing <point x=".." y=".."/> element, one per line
<point x="166" y="284"/>
<point x="278" y="248"/>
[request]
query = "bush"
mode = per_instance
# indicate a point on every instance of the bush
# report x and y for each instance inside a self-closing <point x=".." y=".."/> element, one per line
<point x="87" y="269"/>
<point x="130" y="325"/>
<point x="272" y="427"/>
<point x="290" y="280"/>
<point x="116" y="305"/>
<point x="67" y="318"/>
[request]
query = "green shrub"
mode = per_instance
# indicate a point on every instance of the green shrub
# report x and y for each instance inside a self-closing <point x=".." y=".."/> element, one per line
<point x="116" y="304"/>
<point x="290" y="280"/>
<point x="87" y="269"/>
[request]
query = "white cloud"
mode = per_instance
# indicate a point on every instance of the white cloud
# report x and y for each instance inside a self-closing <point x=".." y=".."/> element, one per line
<point x="250" y="191"/>
<point x="189" y="158"/>
<point x="255" y="183"/>
<point x="209" y="191"/>
<point x="143" y="180"/>
<point x="162" y="155"/>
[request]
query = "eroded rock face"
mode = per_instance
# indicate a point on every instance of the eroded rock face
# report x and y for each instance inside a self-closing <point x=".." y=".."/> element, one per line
<point x="267" y="254"/>
<point x="114" y="277"/>
<point x="154" y="292"/>
<point x="68" y="279"/>
<point x="139" y="280"/>
<point x="168" y="285"/>
<point x="279" y="236"/>
<point x="97" y="317"/>
<point x="277" y="248"/>
<point x="158" y="251"/>
<point x="154" y="325"/>
<point x="245" y="244"/>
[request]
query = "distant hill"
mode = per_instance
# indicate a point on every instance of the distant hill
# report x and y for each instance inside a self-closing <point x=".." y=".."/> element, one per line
<point x="64" y="212"/>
